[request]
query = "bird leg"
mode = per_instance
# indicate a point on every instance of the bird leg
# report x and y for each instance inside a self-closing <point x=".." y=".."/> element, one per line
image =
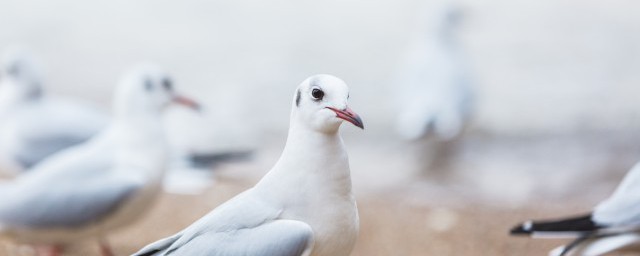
<point x="48" y="250"/>
<point x="105" y="249"/>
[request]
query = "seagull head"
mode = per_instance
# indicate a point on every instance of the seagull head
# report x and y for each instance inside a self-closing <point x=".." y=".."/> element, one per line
<point x="321" y="103"/>
<point x="148" y="88"/>
<point x="20" y="75"/>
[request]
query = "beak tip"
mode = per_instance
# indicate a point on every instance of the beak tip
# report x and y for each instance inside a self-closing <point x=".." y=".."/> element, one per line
<point x="349" y="116"/>
<point x="187" y="103"/>
<point x="358" y="121"/>
<point x="196" y="108"/>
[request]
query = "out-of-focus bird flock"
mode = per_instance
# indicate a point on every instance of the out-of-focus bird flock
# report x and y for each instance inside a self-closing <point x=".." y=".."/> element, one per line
<point x="467" y="131"/>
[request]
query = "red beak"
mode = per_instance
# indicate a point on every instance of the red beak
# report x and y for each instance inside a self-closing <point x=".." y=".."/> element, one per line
<point x="348" y="115"/>
<point x="178" y="99"/>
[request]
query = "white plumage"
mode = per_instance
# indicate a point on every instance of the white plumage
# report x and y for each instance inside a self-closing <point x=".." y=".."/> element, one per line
<point x="34" y="124"/>
<point x="87" y="191"/>
<point x="303" y="206"/>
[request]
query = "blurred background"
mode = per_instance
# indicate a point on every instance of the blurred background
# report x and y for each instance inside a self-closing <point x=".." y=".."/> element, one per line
<point x="551" y="130"/>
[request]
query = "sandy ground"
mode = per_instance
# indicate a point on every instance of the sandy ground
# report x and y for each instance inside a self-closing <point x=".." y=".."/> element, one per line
<point x="463" y="205"/>
<point x="387" y="226"/>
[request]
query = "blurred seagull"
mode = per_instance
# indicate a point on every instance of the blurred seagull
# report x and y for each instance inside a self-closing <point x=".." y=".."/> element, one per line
<point x="434" y="92"/>
<point x="303" y="206"/>
<point x="35" y="125"/>
<point x="613" y="224"/>
<point x="108" y="182"/>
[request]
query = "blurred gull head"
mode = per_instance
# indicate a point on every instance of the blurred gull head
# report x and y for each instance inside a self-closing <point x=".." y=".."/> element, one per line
<point x="148" y="89"/>
<point x="20" y="75"/>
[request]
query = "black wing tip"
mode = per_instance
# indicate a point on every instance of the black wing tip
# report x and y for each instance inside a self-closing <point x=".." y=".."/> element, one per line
<point x="522" y="229"/>
<point x="582" y="223"/>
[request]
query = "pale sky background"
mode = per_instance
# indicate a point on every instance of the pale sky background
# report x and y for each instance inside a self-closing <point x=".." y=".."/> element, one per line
<point x="539" y="67"/>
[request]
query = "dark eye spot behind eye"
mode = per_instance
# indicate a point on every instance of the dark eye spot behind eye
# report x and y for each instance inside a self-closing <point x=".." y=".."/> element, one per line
<point x="167" y="84"/>
<point x="148" y="84"/>
<point x="14" y="70"/>
<point x="317" y="94"/>
<point x="298" y="98"/>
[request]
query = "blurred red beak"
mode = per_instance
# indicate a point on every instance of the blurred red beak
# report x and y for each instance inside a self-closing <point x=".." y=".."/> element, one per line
<point x="348" y="115"/>
<point x="178" y="99"/>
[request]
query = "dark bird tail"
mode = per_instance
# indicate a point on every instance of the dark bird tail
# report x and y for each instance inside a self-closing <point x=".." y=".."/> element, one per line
<point x="570" y="227"/>
<point x="210" y="160"/>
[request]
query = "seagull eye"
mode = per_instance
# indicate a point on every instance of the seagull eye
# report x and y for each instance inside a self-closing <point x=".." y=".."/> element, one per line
<point x="167" y="84"/>
<point x="317" y="94"/>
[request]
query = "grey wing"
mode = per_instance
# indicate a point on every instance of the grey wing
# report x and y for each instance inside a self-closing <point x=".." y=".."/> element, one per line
<point x="52" y="126"/>
<point x="279" y="237"/>
<point x="36" y="149"/>
<point x="65" y="204"/>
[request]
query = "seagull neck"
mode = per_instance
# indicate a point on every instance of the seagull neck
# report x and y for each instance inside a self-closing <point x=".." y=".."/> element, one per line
<point x="303" y="140"/>
<point x="141" y="142"/>
<point x="9" y="99"/>
<point x="138" y="120"/>
<point x="314" y="160"/>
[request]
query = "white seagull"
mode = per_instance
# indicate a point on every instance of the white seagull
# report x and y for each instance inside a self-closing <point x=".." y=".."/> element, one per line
<point x="434" y="93"/>
<point x="613" y="224"/>
<point x="303" y="206"/>
<point x="34" y="125"/>
<point x="108" y="182"/>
